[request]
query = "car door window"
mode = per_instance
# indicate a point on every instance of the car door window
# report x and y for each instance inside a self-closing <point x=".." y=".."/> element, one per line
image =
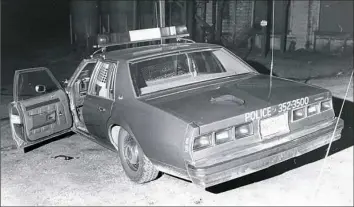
<point x="103" y="83"/>
<point x="84" y="77"/>
<point x="35" y="83"/>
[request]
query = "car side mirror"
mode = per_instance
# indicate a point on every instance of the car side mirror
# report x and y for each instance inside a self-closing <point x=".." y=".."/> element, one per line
<point x="40" y="88"/>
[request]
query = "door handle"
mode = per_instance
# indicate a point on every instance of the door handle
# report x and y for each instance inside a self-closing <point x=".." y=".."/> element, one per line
<point x="101" y="109"/>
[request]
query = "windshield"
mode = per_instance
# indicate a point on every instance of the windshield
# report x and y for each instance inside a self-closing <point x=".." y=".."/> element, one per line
<point x="184" y="68"/>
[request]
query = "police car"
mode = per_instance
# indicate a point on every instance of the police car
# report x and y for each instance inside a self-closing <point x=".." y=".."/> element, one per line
<point x="193" y="110"/>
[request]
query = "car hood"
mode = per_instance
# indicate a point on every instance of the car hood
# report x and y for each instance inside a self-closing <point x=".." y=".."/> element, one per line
<point x="230" y="98"/>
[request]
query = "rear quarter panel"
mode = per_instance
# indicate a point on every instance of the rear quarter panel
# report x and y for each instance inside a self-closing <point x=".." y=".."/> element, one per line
<point x="161" y="135"/>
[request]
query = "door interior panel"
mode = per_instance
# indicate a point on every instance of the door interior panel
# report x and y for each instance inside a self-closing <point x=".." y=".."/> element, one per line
<point x="42" y="118"/>
<point x="46" y="115"/>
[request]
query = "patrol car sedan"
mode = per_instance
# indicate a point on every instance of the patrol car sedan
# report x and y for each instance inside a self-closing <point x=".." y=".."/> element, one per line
<point x="193" y="110"/>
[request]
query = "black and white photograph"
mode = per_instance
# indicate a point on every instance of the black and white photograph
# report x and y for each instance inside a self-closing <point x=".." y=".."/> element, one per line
<point x="176" y="102"/>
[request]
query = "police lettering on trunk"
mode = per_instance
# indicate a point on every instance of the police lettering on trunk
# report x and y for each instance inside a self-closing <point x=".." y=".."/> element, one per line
<point x="282" y="107"/>
<point x="258" y="114"/>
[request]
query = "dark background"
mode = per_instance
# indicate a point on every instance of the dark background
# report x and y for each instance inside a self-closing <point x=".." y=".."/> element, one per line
<point x="34" y="33"/>
<point x="25" y="22"/>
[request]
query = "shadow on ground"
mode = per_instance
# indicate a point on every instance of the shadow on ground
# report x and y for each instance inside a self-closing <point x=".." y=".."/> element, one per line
<point x="40" y="144"/>
<point x="346" y="141"/>
<point x="259" y="67"/>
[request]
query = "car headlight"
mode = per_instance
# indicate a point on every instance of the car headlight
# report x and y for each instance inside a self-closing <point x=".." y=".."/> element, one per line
<point x="299" y="114"/>
<point x="312" y="109"/>
<point x="244" y="130"/>
<point x="202" y="142"/>
<point x="326" y="105"/>
<point x="223" y="136"/>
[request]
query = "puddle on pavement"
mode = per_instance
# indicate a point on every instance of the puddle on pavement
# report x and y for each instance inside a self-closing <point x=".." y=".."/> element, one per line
<point x="65" y="157"/>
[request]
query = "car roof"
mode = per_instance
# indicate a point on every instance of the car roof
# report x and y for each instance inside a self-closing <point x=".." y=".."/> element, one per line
<point x="154" y="50"/>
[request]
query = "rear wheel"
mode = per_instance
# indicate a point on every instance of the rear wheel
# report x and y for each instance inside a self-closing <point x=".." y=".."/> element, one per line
<point x="135" y="164"/>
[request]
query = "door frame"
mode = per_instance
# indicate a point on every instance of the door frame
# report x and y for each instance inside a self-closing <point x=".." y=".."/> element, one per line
<point x="70" y="89"/>
<point x="79" y="68"/>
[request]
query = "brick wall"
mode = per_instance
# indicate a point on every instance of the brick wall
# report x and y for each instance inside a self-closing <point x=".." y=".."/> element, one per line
<point x="304" y="18"/>
<point x="299" y="18"/>
<point x="304" y="21"/>
<point x="243" y="19"/>
<point x="239" y="19"/>
<point x="314" y="20"/>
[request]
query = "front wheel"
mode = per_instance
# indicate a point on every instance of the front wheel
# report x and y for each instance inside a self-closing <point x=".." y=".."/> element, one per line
<point x="135" y="164"/>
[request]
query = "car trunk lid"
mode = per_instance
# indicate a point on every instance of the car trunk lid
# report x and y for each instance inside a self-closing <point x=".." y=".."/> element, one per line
<point x="234" y="98"/>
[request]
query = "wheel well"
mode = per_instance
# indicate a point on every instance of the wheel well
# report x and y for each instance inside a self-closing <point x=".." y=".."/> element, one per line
<point x="113" y="133"/>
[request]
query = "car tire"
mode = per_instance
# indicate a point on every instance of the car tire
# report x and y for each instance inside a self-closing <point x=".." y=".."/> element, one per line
<point x="143" y="170"/>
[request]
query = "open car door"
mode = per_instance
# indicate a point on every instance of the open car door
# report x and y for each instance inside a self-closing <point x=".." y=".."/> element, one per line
<point x="40" y="108"/>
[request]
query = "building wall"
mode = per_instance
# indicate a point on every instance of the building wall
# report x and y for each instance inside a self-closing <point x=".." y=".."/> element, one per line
<point x="243" y="19"/>
<point x="209" y="13"/>
<point x="304" y="27"/>
<point x="336" y="16"/>
<point x="299" y="22"/>
<point x="238" y="21"/>
<point x="304" y="21"/>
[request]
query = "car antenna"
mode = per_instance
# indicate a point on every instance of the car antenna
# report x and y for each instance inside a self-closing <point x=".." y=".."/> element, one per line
<point x="272" y="60"/>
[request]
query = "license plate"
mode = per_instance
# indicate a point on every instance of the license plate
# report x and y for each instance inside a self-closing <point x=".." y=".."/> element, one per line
<point x="274" y="125"/>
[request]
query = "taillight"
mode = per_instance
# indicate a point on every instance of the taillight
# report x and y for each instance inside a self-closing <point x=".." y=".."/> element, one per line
<point x="202" y="142"/>
<point x="223" y="136"/>
<point x="243" y="130"/>
<point x="313" y="109"/>
<point x="299" y="114"/>
<point x="326" y="105"/>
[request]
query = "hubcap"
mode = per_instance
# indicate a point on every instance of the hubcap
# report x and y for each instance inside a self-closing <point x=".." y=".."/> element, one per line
<point x="131" y="153"/>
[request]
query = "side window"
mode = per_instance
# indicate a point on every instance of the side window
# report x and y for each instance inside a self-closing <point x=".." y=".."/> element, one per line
<point x="84" y="77"/>
<point x="103" y="84"/>
<point x="87" y="71"/>
<point x="35" y="83"/>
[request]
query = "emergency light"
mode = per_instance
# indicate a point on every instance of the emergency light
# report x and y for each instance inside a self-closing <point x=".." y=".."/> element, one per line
<point x="141" y="35"/>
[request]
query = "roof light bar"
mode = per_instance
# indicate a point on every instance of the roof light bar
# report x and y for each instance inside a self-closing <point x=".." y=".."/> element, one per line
<point x="141" y="35"/>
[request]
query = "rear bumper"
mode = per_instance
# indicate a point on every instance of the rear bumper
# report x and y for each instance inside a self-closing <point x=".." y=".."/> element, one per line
<point x="209" y="175"/>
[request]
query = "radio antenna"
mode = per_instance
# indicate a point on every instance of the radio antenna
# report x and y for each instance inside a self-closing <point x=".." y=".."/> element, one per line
<point x="272" y="50"/>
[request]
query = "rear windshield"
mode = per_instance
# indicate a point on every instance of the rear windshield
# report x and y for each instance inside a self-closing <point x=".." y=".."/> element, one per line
<point x="184" y="68"/>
